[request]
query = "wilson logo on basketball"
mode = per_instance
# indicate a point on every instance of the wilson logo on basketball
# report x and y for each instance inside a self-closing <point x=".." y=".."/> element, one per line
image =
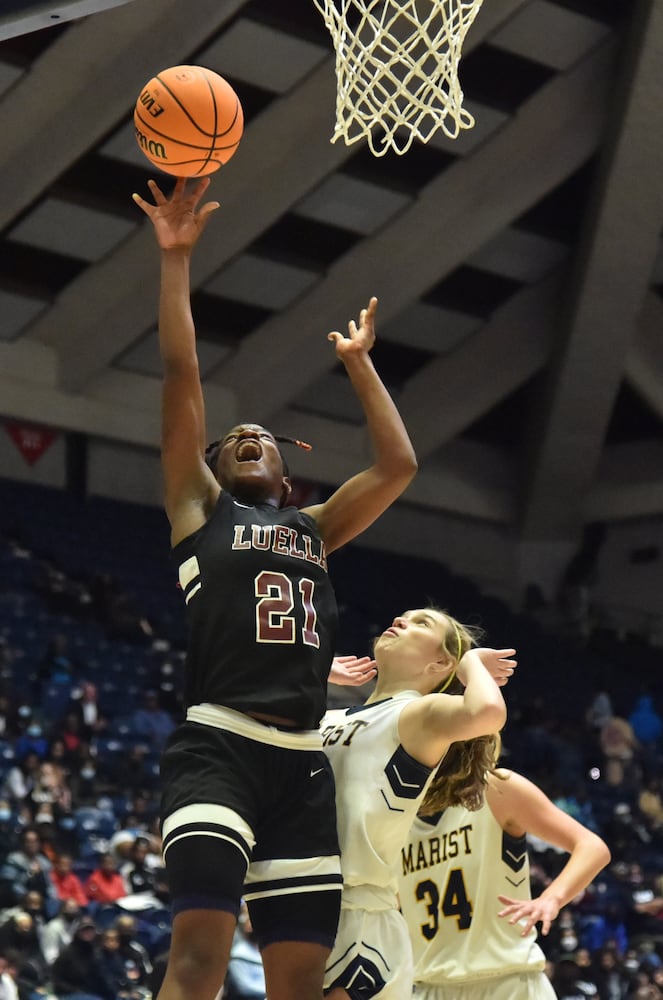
<point x="150" y="104"/>
<point x="194" y="114"/>
<point x="157" y="150"/>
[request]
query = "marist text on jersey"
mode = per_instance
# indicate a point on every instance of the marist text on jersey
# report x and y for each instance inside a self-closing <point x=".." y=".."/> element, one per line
<point x="435" y="849"/>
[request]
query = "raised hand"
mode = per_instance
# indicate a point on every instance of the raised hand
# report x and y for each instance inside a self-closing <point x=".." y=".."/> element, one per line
<point x="177" y="224"/>
<point x="352" y="671"/>
<point x="360" y="337"/>
<point x="497" y="662"/>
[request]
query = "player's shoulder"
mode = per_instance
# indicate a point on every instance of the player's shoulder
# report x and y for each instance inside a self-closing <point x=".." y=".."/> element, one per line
<point x="505" y="786"/>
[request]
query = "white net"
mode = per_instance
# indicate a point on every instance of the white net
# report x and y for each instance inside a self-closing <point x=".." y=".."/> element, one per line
<point x="397" y="69"/>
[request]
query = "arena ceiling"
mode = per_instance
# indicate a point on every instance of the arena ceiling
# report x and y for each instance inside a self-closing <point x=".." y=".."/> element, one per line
<point x="519" y="268"/>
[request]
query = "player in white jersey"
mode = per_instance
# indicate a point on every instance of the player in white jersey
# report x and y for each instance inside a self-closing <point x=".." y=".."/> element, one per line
<point x="456" y="869"/>
<point x="383" y="754"/>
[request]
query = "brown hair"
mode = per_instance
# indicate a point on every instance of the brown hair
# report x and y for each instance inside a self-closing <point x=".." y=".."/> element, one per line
<point x="462" y="775"/>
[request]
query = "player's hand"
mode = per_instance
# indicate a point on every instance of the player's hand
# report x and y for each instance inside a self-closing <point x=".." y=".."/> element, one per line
<point x="361" y="336"/>
<point x="352" y="671"/>
<point x="177" y="223"/>
<point x="532" y="911"/>
<point x="498" y="663"/>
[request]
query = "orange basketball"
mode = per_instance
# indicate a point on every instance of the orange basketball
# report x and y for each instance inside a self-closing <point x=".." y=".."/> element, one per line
<point x="188" y="121"/>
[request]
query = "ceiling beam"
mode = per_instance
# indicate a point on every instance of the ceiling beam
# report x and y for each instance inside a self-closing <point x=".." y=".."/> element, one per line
<point x="551" y="136"/>
<point x="613" y="265"/>
<point x="644" y="361"/>
<point x="86" y="83"/>
<point x="257" y="188"/>
<point x="474" y="378"/>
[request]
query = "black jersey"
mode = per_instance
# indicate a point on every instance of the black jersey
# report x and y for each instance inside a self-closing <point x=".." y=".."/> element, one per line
<point x="261" y="609"/>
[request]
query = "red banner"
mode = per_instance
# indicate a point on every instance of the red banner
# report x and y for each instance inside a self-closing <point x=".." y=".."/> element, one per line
<point x="31" y="441"/>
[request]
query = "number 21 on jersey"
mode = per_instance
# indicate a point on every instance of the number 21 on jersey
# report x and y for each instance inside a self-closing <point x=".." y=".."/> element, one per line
<point x="276" y="601"/>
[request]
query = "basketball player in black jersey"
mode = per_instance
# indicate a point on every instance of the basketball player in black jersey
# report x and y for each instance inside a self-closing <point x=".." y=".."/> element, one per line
<point x="248" y="796"/>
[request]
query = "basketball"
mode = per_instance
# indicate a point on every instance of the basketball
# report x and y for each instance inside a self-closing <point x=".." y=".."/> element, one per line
<point x="188" y="121"/>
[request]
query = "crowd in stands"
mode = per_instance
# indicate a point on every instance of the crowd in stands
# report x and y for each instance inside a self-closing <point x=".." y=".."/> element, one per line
<point x="90" y="693"/>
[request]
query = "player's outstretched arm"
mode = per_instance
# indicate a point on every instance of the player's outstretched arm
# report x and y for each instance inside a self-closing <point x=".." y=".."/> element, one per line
<point x="521" y="807"/>
<point x="361" y="500"/>
<point x="178" y="224"/>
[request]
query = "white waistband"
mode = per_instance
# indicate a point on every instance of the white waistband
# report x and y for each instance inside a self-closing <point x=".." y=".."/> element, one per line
<point x="368" y="897"/>
<point x="244" y="725"/>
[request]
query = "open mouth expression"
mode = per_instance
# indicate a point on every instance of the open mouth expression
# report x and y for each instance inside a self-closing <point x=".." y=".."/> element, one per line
<point x="248" y="450"/>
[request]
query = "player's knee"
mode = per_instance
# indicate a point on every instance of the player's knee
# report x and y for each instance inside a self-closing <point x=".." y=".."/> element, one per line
<point x="199" y="968"/>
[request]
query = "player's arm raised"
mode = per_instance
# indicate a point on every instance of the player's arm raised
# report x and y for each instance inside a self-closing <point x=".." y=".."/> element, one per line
<point x="429" y="725"/>
<point x="361" y="500"/>
<point x="178" y="224"/>
<point x="520" y="807"/>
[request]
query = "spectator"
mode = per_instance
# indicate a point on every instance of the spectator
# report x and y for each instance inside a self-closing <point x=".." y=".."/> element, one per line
<point x="8" y="973"/>
<point x="85" y="705"/>
<point x="57" y="754"/>
<point x="32" y="903"/>
<point x="21" y="778"/>
<point x="49" y="833"/>
<point x="607" y="930"/>
<point x="619" y="747"/>
<point x="57" y="665"/>
<point x="28" y="868"/>
<point x="111" y="966"/>
<point x="8" y="721"/>
<point x="75" y="970"/>
<point x="121" y="843"/>
<point x="67" y="884"/>
<point x="73" y="739"/>
<point x="152" y="723"/>
<point x="599" y="711"/>
<point x="137" y="874"/>
<point x="8" y="829"/>
<point x="32" y="739"/>
<point x="134" y="773"/>
<point x="105" y="884"/>
<point x="643" y="988"/>
<point x="572" y="983"/>
<point x="50" y="788"/>
<point x="646" y="723"/>
<point x="610" y="979"/>
<point x="650" y="804"/>
<point x="59" y="931"/>
<point x="83" y="781"/>
<point x="19" y="934"/>
<point x="135" y="956"/>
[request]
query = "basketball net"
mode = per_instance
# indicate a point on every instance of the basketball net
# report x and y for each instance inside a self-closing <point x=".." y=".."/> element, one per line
<point x="397" y="69"/>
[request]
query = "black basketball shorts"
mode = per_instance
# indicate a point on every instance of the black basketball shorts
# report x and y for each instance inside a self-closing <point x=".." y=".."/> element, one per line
<point x="250" y="811"/>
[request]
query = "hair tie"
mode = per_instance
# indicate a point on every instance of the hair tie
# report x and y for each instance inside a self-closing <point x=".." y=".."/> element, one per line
<point x="288" y="440"/>
<point x="459" y="641"/>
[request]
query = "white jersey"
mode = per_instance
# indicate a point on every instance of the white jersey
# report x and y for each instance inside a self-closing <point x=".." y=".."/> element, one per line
<point x="379" y="788"/>
<point x="451" y="873"/>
